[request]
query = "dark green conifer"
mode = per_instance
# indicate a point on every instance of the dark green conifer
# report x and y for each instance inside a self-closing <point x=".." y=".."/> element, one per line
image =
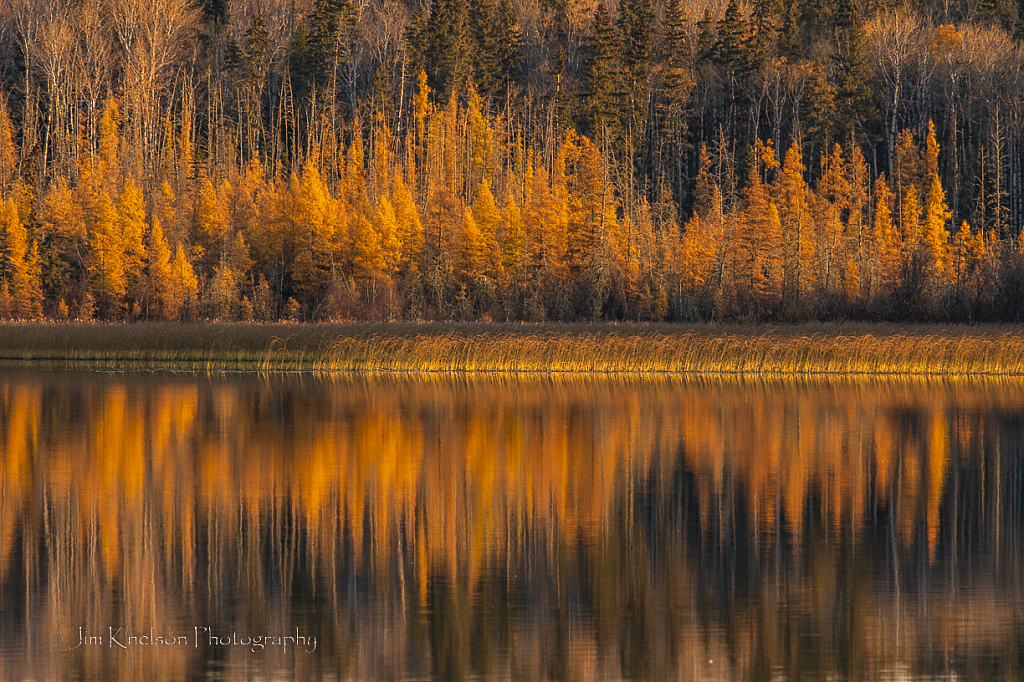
<point x="790" y="44"/>
<point x="635" y="25"/>
<point x="676" y="87"/>
<point x="707" y="36"/>
<point x="215" y="12"/>
<point x="857" y="116"/>
<point x="323" y="49"/>
<point x="732" y="45"/>
<point x="496" y="53"/>
<point x="764" y="25"/>
<point x="509" y="44"/>
<point x="441" y="42"/>
<point x="601" y="89"/>
<point x="819" y="112"/>
<point x="677" y="81"/>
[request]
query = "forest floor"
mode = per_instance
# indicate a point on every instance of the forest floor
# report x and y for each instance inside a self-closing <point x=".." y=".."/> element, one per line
<point x="599" y="348"/>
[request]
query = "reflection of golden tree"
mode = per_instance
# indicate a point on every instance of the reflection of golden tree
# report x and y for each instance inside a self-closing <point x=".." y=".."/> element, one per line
<point x="174" y="492"/>
<point x="840" y="445"/>
<point x="556" y="453"/>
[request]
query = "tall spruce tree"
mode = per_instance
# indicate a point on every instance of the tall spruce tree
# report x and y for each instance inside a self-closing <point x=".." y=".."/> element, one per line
<point x="674" y="96"/>
<point x="856" y="116"/>
<point x="732" y="44"/>
<point x="496" y="41"/>
<point x="764" y="24"/>
<point x="333" y="36"/>
<point x="602" y="90"/>
<point x="635" y="21"/>
<point x="441" y="44"/>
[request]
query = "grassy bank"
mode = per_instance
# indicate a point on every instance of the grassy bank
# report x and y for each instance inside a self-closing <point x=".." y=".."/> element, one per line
<point x="614" y="349"/>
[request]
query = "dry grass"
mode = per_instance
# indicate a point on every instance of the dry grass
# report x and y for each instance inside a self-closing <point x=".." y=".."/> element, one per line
<point x="596" y="349"/>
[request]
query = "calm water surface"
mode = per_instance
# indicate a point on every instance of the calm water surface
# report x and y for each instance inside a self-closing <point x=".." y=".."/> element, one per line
<point x="173" y="527"/>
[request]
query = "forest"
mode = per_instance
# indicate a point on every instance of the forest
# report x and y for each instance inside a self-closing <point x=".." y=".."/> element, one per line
<point x="512" y="160"/>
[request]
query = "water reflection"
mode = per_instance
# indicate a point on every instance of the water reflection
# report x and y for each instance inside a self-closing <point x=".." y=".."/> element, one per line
<point x="510" y="529"/>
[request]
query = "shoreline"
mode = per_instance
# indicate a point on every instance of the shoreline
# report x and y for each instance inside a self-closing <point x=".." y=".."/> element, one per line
<point x="813" y="349"/>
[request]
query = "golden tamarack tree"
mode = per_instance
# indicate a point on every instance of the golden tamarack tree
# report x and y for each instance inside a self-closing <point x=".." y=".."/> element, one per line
<point x="460" y="218"/>
<point x="470" y="159"/>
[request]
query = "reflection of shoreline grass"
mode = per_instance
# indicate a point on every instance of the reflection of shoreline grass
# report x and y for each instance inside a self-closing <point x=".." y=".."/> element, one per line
<point x="598" y="349"/>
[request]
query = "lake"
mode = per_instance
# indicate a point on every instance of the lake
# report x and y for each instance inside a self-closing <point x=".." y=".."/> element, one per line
<point x="162" y="526"/>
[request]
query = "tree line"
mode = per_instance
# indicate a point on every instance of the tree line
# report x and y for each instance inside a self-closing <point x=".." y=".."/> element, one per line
<point x="511" y="160"/>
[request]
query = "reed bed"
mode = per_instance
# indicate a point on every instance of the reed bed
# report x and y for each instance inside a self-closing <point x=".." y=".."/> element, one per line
<point x="511" y="349"/>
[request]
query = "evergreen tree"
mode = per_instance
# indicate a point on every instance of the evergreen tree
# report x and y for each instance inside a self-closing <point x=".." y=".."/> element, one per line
<point x="790" y="43"/>
<point x="707" y="36"/>
<point x="509" y="43"/>
<point x="333" y="26"/>
<point x="817" y="18"/>
<point x="732" y="57"/>
<point x="676" y="88"/>
<point x="764" y="26"/>
<point x="635" y="22"/>
<point x="441" y="44"/>
<point x="215" y="12"/>
<point x="496" y="51"/>
<point x="324" y="50"/>
<point x="599" y="111"/>
<point x="61" y="238"/>
<point x="732" y="44"/>
<point x="558" y="224"/>
<point x="856" y="116"/>
<point x="820" y="108"/>
<point x="253" y="55"/>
